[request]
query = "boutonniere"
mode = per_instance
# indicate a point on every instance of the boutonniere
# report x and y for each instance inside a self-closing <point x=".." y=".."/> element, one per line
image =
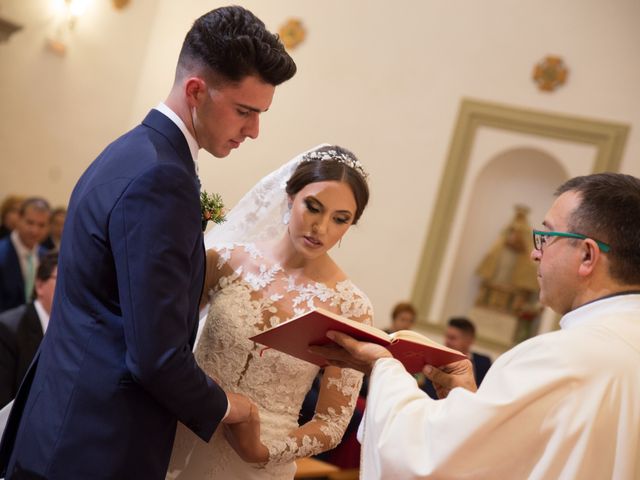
<point x="212" y="208"/>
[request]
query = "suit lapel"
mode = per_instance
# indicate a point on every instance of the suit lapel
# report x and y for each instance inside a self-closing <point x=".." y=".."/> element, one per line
<point x="163" y="125"/>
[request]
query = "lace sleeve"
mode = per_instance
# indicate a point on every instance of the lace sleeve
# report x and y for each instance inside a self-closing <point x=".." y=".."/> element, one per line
<point x="211" y="275"/>
<point x="337" y="397"/>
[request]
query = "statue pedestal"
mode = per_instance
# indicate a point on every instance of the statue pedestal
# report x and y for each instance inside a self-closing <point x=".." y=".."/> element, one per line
<point x="494" y="326"/>
<point x="502" y="297"/>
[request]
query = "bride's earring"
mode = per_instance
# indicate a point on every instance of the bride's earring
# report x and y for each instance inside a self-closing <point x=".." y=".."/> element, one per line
<point x="287" y="216"/>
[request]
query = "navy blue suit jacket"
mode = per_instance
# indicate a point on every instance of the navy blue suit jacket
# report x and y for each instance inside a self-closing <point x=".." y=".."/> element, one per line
<point x="115" y="370"/>
<point x="11" y="281"/>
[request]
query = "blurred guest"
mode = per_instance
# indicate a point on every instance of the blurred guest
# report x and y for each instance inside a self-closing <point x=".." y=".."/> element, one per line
<point x="22" y="329"/>
<point x="403" y="317"/>
<point x="20" y="251"/>
<point x="56" y="224"/>
<point x="460" y="335"/>
<point x="9" y="213"/>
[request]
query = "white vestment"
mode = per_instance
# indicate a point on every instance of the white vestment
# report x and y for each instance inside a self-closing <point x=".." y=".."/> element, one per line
<point x="564" y="405"/>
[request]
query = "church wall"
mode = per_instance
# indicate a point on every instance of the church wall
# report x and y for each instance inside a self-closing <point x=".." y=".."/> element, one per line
<point x="384" y="79"/>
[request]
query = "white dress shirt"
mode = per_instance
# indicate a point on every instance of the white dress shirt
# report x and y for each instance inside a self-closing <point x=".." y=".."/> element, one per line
<point x="194" y="148"/>
<point x="43" y="315"/>
<point x="564" y="405"/>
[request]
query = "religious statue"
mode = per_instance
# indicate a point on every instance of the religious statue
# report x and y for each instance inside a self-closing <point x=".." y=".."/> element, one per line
<point x="507" y="272"/>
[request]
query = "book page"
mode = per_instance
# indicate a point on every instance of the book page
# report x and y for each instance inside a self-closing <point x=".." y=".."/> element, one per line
<point x="415" y="337"/>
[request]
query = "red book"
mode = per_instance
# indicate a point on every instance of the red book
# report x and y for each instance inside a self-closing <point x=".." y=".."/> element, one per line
<point x="295" y="336"/>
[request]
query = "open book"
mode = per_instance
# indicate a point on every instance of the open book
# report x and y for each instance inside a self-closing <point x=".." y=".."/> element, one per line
<point x="296" y="335"/>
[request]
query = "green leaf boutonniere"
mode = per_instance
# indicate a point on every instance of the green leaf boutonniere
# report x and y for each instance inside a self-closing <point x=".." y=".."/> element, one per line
<point x="212" y="208"/>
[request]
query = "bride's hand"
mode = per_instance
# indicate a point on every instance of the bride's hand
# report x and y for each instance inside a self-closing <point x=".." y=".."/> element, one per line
<point x="239" y="408"/>
<point x="244" y="437"/>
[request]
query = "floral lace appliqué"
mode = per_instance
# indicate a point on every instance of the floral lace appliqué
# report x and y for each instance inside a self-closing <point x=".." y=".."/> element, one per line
<point x="253" y="295"/>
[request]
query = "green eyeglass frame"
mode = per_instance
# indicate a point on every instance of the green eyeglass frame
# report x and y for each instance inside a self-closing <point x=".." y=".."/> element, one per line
<point x="539" y="235"/>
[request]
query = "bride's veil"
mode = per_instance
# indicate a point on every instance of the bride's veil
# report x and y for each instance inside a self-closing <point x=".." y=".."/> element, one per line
<point x="258" y="216"/>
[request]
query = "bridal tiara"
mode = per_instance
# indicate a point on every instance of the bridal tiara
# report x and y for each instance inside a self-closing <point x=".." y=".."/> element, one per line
<point x="344" y="158"/>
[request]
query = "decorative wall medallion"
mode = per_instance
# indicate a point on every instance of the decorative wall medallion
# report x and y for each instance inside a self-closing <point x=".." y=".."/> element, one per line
<point x="550" y="73"/>
<point x="292" y="33"/>
<point x="7" y="28"/>
<point x="120" y="4"/>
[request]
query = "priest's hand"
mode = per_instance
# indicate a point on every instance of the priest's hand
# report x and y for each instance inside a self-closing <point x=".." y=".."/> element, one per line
<point x="448" y="377"/>
<point x="244" y="438"/>
<point x="350" y="353"/>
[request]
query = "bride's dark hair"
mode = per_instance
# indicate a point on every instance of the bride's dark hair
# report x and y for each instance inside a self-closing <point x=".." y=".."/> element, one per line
<point x="332" y="163"/>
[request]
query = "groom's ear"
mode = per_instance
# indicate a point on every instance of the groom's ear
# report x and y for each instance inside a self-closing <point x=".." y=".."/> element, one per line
<point x="194" y="88"/>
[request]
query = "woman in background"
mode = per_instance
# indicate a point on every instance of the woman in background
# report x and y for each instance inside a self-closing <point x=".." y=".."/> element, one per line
<point x="9" y="214"/>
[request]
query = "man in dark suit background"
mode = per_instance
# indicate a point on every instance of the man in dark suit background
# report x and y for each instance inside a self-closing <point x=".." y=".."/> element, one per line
<point x="56" y="225"/>
<point x="22" y="328"/>
<point x="115" y="370"/>
<point x="460" y="335"/>
<point x="20" y="253"/>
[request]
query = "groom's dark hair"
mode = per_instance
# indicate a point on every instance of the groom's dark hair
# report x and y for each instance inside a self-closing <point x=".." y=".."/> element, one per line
<point x="231" y="43"/>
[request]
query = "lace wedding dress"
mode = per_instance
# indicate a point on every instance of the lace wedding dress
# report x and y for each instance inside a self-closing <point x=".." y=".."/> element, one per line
<point x="250" y="295"/>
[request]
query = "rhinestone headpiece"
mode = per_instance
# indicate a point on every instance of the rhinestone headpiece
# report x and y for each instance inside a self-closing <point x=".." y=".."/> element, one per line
<point x="338" y="157"/>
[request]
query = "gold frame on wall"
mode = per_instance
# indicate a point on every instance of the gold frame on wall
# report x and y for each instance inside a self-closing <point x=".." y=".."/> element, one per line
<point x="609" y="139"/>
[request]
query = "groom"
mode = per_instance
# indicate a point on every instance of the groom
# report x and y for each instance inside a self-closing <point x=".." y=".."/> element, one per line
<point x="116" y="370"/>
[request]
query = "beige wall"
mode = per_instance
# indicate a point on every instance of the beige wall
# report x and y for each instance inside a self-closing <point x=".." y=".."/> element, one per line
<point x="383" y="78"/>
<point x="58" y="113"/>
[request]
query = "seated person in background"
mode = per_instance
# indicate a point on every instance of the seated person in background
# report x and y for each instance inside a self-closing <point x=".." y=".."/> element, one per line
<point x="22" y="329"/>
<point x="460" y="335"/>
<point x="56" y="224"/>
<point x="20" y="253"/>
<point x="403" y="317"/>
<point x="9" y="214"/>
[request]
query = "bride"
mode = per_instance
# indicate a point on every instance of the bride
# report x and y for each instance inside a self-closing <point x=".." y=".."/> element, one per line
<point x="266" y="264"/>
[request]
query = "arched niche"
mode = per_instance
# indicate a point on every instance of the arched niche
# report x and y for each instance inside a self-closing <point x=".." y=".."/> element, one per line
<point x="582" y="146"/>
<point x="524" y="176"/>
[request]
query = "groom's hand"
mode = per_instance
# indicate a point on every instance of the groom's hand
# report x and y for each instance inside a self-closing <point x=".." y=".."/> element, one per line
<point x="350" y="353"/>
<point x="239" y="408"/>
